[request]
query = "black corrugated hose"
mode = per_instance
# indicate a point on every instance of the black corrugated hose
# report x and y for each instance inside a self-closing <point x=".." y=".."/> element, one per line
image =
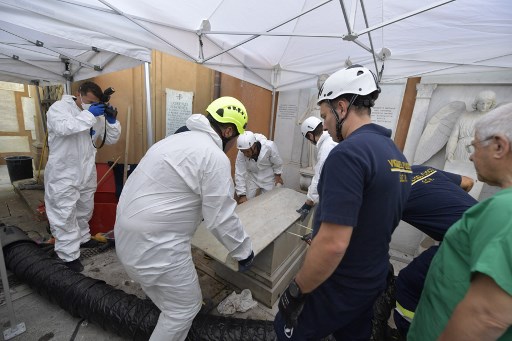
<point x="124" y="314"/>
<point x="114" y="310"/>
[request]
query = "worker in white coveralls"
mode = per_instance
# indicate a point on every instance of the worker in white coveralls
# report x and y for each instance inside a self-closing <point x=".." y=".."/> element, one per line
<point x="74" y="124"/>
<point x="313" y="130"/>
<point x="181" y="180"/>
<point x="258" y="166"/>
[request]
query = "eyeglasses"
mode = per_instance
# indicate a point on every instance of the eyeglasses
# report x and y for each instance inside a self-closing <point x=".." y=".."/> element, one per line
<point x="470" y="148"/>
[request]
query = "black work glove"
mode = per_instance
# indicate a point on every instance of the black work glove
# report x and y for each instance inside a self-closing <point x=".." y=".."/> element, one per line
<point x="304" y="211"/>
<point x="307" y="238"/>
<point x="245" y="264"/>
<point x="111" y="114"/>
<point x="290" y="306"/>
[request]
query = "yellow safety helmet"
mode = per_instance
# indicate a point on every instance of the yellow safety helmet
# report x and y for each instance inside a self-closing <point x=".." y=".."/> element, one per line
<point x="229" y="110"/>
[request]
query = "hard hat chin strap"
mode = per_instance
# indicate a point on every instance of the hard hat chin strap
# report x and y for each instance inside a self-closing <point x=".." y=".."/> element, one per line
<point x="339" y="122"/>
<point x="218" y="130"/>
<point x="313" y="140"/>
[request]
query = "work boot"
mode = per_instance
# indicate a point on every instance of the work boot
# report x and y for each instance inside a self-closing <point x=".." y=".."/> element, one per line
<point x="75" y="265"/>
<point x="91" y="243"/>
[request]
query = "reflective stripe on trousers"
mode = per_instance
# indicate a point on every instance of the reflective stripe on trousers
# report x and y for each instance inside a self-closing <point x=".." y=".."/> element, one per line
<point x="406" y="314"/>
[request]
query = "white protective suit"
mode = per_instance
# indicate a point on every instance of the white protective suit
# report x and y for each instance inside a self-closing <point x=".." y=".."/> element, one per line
<point x="70" y="175"/>
<point x="324" y="146"/>
<point x="181" y="179"/>
<point x="252" y="175"/>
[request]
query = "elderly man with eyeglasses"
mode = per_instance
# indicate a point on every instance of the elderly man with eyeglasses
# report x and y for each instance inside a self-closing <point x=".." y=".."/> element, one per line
<point x="468" y="290"/>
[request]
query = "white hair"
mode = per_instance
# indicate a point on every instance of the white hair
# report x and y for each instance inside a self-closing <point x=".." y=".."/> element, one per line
<point x="483" y="95"/>
<point x="497" y="121"/>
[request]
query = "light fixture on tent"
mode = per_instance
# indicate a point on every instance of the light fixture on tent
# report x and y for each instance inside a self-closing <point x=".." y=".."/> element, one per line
<point x="67" y="69"/>
<point x="67" y="73"/>
<point x="205" y="26"/>
<point x="384" y="54"/>
<point x="276" y="75"/>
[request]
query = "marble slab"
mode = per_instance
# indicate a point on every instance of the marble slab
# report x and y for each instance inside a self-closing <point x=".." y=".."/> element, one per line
<point x="264" y="218"/>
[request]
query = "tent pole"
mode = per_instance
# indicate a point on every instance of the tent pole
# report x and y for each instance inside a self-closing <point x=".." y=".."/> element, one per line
<point x="272" y="114"/>
<point x="68" y="87"/>
<point x="149" y="121"/>
<point x="349" y="28"/>
<point x="371" y="42"/>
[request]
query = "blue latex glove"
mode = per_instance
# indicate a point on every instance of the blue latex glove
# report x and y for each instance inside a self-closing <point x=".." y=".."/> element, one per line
<point x="110" y="116"/>
<point x="97" y="109"/>
<point x="304" y="211"/>
<point x="244" y="265"/>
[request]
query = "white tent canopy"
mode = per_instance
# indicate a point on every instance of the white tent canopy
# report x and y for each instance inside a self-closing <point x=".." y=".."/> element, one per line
<point x="39" y="47"/>
<point x="282" y="45"/>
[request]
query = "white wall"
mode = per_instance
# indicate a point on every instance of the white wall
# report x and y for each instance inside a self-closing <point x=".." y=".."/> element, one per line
<point x="292" y="146"/>
<point x="292" y="105"/>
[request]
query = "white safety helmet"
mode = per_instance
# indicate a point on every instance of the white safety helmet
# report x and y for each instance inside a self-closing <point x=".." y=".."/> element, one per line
<point x="309" y="124"/>
<point x="246" y="140"/>
<point x="352" y="80"/>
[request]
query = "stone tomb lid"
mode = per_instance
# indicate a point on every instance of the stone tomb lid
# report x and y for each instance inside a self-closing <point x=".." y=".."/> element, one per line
<point x="264" y="218"/>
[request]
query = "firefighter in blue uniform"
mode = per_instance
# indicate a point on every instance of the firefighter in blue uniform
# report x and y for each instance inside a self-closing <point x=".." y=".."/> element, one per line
<point x="437" y="200"/>
<point x="364" y="184"/>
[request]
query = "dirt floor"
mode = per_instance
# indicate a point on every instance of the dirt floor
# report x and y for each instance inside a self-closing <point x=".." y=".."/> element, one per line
<point x="45" y="320"/>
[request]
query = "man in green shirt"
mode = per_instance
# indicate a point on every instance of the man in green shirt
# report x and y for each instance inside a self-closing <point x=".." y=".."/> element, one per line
<point x="468" y="290"/>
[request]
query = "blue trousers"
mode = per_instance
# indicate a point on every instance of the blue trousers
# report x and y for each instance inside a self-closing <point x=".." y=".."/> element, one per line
<point x="332" y="309"/>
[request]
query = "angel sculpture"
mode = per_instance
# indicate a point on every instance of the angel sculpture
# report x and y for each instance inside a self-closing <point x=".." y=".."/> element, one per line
<point x="453" y="126"/>
<point x="464" y="130"/>
<point x="438" y="131"/>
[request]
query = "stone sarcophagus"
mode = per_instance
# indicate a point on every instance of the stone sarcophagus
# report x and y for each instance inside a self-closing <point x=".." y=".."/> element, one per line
<point x="278" y="254"/>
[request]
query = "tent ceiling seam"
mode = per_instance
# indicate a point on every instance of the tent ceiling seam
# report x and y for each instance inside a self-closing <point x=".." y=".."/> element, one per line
<point x="405" y="16"/>
<point x="288" y="41"/>
<point x="475" y="63"/>
<point x="455" y="66"/>
<point x="21" y="60"/>
<point x="263" y="68"/>
<point x="14" y="45"/>
<point x="138" y="18"/>
<point x="41" y="14"/>
<point x="273" y="28"/>
<point x="130" y="18"/>
<point x="239" y="61"/>
<point x="25" y="75"/>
